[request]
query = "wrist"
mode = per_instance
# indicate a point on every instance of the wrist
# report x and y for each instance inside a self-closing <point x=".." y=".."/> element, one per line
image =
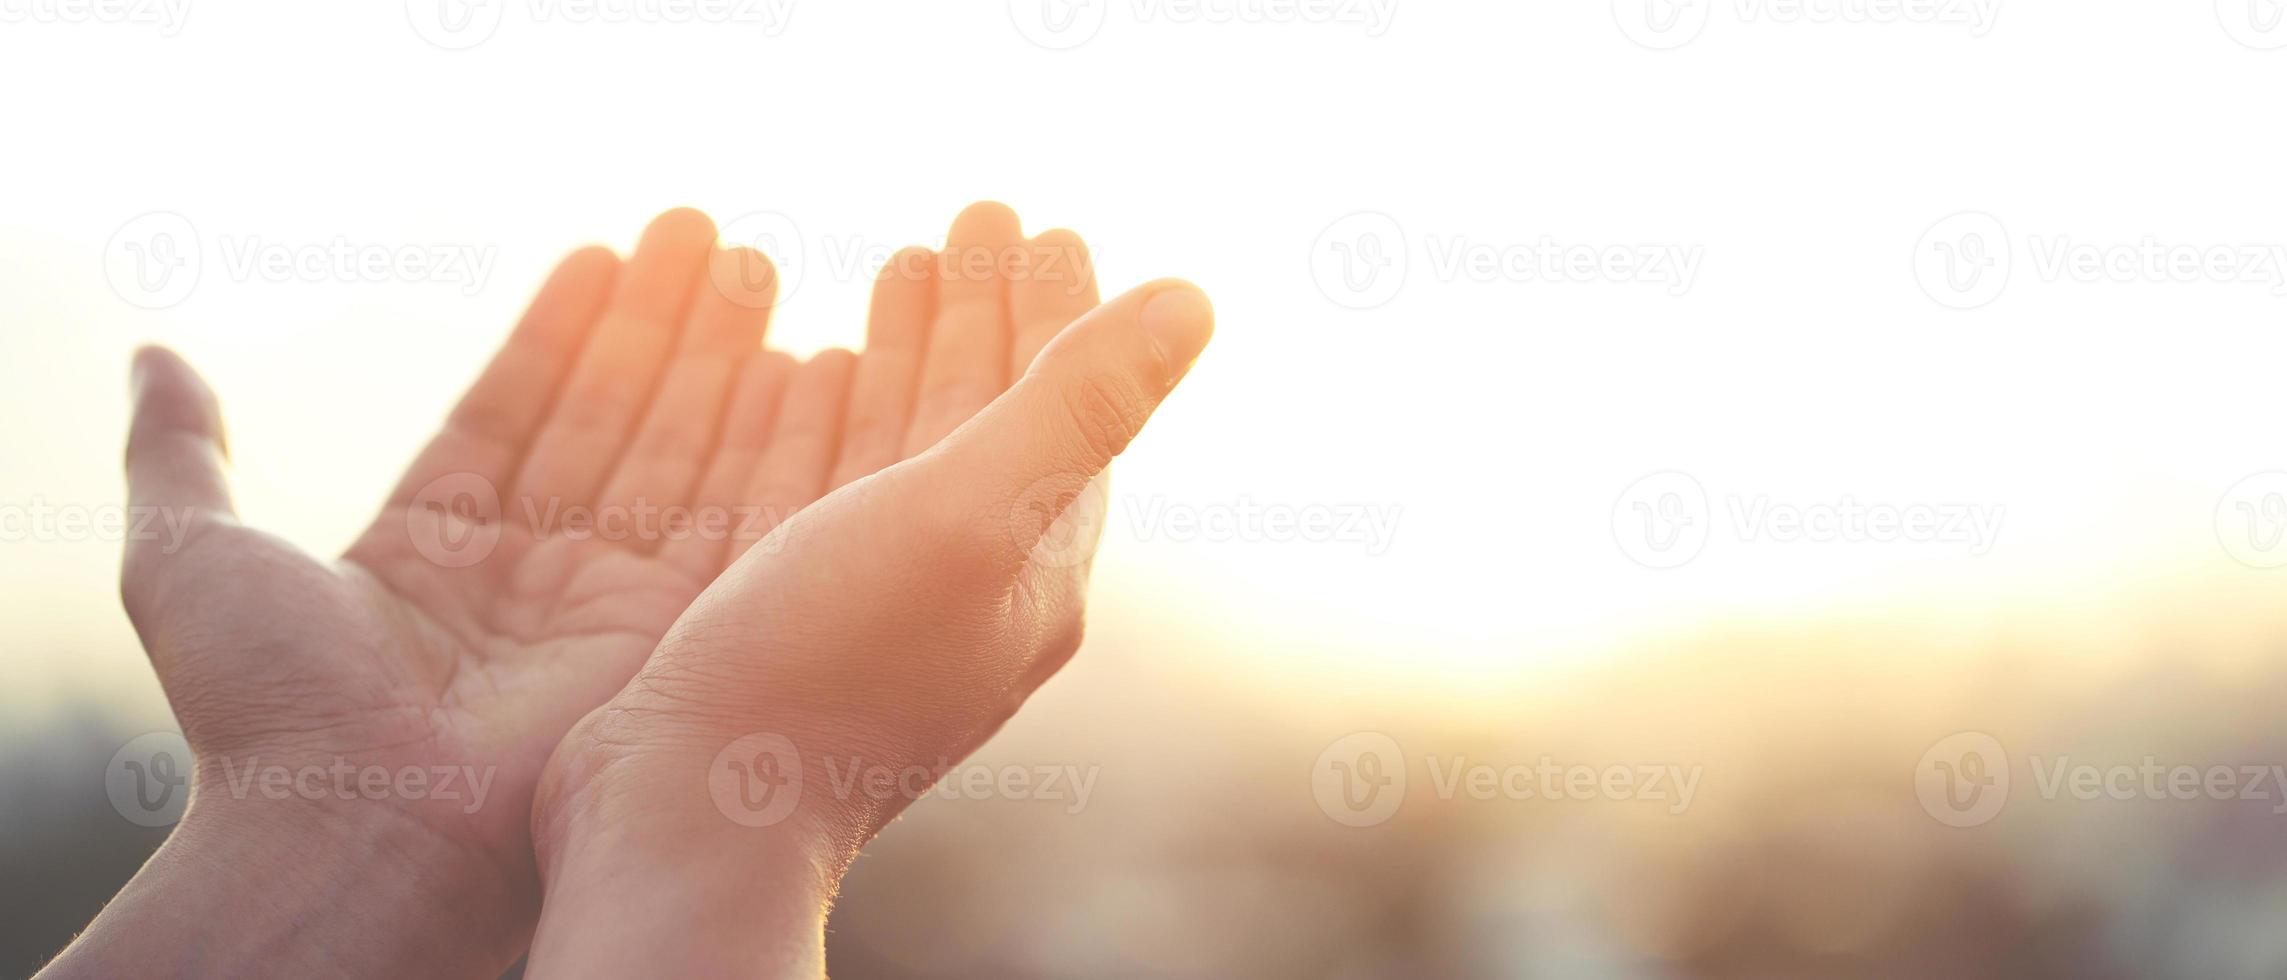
<point x="244" y="888"/>
<point x="658" y="896"/>
<point x="642" y="871"/>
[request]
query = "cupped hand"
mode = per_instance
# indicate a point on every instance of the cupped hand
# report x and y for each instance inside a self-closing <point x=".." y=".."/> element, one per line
<point x="694" y="824"/>
<point x="630" y="440"/>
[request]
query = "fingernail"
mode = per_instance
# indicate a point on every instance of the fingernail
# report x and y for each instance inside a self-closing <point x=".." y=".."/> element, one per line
<point x="1179" y="321"/>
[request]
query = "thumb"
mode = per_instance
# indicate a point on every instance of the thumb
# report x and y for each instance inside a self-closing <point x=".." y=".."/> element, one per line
<point x="1030" y="453"/>
<point x="175" y="455"/>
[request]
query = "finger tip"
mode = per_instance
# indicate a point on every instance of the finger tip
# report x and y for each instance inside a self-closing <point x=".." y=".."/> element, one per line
<point x="156" y="365"/>
<point x="833" y="359"/>
<point x="591" y="257"/>
<point x="773" y="361"/>
<point x="164" y="386"/>
<point x="987" y="221"/>
<point x="746" y="276"/>
<point x="680" y="224"/>
<point x="1059" y="265"/>
<point x="1180" y="321"/>
<point x="147" y="356"/>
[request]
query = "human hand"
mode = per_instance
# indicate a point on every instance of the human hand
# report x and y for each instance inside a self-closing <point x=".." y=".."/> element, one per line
<point x="891" y="627"/>
<point x="469" y="627"/>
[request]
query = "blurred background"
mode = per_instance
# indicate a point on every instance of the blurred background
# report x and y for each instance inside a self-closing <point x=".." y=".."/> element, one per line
<point x="1680" y="489"/>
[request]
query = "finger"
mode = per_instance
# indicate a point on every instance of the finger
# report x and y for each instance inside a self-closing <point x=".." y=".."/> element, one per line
<point x="612" y="384"/>
<point x="792" y="470"/>
<point x="968" y="339"/>
<point x="175" y="443"/>
<point x="1024" y="459"/>
<point x="492" y="427"/>
<point x="719" y="508"/>
<point x="730" y="310"/>
<point x="175" y="463"/>
<point x="1056" y="284"/>
<point x="881" y="391"/>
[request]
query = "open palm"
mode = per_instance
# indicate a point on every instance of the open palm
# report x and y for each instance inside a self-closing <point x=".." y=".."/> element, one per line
<point x="630" y="440"/>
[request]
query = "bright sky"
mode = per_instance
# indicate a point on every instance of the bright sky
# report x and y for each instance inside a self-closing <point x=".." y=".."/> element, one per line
<point x="1770" y="183"/>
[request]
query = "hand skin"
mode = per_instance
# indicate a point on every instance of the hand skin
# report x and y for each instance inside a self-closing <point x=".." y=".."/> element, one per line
<point x="627" y="385"/>
<point x="893" y="626"/>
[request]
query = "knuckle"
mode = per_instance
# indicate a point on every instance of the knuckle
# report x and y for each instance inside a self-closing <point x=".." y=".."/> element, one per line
<point x="1109" y="410"/>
